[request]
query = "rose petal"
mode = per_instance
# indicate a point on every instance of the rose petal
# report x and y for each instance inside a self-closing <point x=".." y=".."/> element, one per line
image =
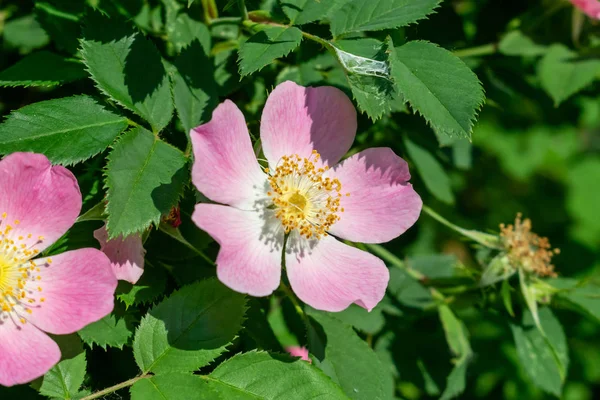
<point x="26" y="353"/>
<point x="44" y="200"/>
<point x="297" y="120"/>
<point x="590" y="7"/>
<point x="77" y="288"/>
<point x="251" y="245"/>
<point x="382" y="204"/>
<point x="225" y="168"/>
<point x="329" y="275"/>
<point x="297" y="351"/>
<point x="126" y="256"/>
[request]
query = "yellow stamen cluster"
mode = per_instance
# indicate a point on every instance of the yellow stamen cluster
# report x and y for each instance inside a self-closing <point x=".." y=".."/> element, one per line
<point x="526" y="249"/>
<point x="304" y="199"/>
<point x="16" y="270"/>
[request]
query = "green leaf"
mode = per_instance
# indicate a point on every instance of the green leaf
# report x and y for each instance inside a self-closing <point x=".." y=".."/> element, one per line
<point x="172" y="386"/>
<point x="263" y="376"/>
<point x="115" y="55"/>
<point x="187" y="30"/>
<point x="364" y="61"/>
<point x="515" y="43"/>
<point x="61" y="19"/>
<point x="304" y="11"/>
<point x="433" y="174"/>
<point x="528" y="292"/>
<point x="367" y="321"/>
<point x="545" y="359"/>
<point x="67" y="130"/>
<point x="439" y="86"/>
<point x="42" y="69"/>
<point x="189" y="329"/>
<point x="65" y="378"/>
<point x="110" y="331"/>
<point x="267" y="45"/>
<point x="25" y="34"/>
<point x="585" y="298"/>
<point x="375" y="15"/>
<point x="407" y="290"/>
<point x="150" y="286"/>
<point x="458" y="341"/>
<point x="345" y="357"/>
<point x="145" y="177"/>
<point x="195" y="96"/>
<point x="435" y="266"/>
<point x="562" y="72"/>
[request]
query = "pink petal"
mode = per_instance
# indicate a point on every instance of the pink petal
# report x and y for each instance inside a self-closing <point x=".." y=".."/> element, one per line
<point x="126" y="256"/>
<point x="26" y="353"/>
<point x="297" y="120"/>
<point x="44" y="200"/>
<point x="297" y="351"/>
<point x="225" y="168"/>
<point x="77" y="287"/>
<point x="382" y="204"/>
<point x="590" y="7"/>
<point x="251" y="245"/>
<point x="329" y="275"/>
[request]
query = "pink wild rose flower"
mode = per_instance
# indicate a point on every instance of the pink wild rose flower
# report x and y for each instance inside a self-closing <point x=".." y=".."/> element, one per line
<point x="589" y="7"/>
<point x="59" y="294"/>
<point x="303" y="195"/>
<point x="126" y="255"/>
<point x="297" y="351"/>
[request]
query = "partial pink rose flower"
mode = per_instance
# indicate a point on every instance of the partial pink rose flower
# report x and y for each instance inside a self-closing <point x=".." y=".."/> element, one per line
<point x="304" y="194"/>
<point x="126" y="255"/>
<point x="297" y="351"/>
<point x="589" y="7"/>
<point x="59" y="294"/>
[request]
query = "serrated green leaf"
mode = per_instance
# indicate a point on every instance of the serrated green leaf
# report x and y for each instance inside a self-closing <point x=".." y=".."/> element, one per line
<point x="458" y="341"/>
<point x="545" y="359"/>
<point x="304" y="11"/>
<point x="61" y="19"/>
<point x="375" y="15"/>
<point x="65" y="378"/>
<point x="264" y="376"/>
<point x="172" y="386"/>
<point x="67" y="130"/>
<point x="367" y="321"/>
<point x="439" y="86"/>
<point x="189" y="329"/>
<point x="433" y="174"/>
<point x="364" y="61"/>
<point x="42" y="69"/>
<point x="114" y="55"/>
<point x="195" y="96"/>
<point x="110" y="331"/>
<point x="187" y="30"/>
<point x="345" y="357"/>
<point x="145" y="177"/>
<point x="25" y="34"/>
<point x="265" y="46"/>
<point x="150" y="286"/>
<point x="562" y="72"/>
<point x="515" y="43"/>
<point x="407" y="290"/>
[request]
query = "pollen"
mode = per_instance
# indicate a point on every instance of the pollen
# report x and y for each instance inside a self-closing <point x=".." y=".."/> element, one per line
<point x="17" y="270"/>
<point x="526" y="249"/>
<point x="305" y="200"/>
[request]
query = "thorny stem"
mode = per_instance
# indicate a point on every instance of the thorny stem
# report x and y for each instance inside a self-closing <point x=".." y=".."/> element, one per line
<point x="116" y="387"/>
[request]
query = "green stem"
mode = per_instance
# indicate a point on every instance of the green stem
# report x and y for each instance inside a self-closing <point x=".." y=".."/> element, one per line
<point x="484" y="50"/>
<point x="243" y="9"/>
<point x="114" y="388"/>
<point x="176" y="234"/>
<point x="288" y="292"/>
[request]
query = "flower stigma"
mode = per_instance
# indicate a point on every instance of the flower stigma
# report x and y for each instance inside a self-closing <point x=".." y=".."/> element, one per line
<point x="16" y="270"/>
<point x="305" y="200"/>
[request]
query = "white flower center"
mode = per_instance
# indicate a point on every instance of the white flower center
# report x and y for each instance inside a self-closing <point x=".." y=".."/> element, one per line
<point x="304" y="199"/>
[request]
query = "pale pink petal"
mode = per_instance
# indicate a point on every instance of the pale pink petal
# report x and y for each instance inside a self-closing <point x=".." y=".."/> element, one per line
<point x="26" y="353"/>
<point x="329" y="275"/>
<point x="37" y="199"/>
<point x="590" y="7"/>
<point x="298" y="120"/>
<point x="225" y="168"/>
<point x="382" y="204"/>
<point x="77" y="288"/>
<point x="126" y="256"/>
<point x="251" y="246"/>
<point x="297" y="351"/>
